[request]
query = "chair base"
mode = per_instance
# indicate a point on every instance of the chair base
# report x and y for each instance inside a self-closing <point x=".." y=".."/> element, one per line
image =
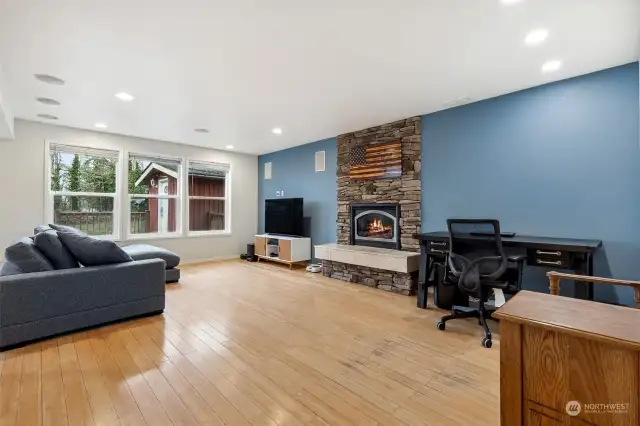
<point x="459" y="312"/>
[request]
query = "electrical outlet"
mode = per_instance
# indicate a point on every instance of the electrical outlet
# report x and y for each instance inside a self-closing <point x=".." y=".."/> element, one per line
<point x="282" y="193"/>
<point x="277" y="193"/>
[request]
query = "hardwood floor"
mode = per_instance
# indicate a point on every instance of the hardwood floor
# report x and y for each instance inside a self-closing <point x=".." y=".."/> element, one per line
<point x="246" y="344"/>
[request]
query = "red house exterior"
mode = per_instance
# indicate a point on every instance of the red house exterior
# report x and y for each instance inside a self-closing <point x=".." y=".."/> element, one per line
<point x="204" y="215"/>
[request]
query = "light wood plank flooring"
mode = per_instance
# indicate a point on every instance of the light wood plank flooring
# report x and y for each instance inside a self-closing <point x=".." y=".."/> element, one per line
<point x="245" y="344"/>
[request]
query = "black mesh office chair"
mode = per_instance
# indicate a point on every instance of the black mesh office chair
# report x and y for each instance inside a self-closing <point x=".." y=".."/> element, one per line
<point x="477" y="263"/>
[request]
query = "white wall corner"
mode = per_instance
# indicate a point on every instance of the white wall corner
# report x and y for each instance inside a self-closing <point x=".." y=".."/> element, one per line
<point x="6" y="114"/>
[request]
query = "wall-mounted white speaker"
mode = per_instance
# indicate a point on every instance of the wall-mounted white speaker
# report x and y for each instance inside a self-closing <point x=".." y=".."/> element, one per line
<point x="320" y="159"/>
<point x="267" y="170"/>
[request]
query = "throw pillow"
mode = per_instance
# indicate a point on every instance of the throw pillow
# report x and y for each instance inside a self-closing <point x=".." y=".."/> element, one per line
<point x="22" y="257"/>
<point x="91" y="251"/>
<point x="8" y="268"/>
<point x="40" y="228"/>
<point x="64" y="228"/>
<point x="51" y="246"/>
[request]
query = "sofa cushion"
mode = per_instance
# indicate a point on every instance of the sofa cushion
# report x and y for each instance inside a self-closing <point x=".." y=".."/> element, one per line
<point x="50" y="245"/>
<point x="65" y="228"/>
<point x="172" y="275"/>
<point x="145" y="251"/>
<point x="91" y="251"/>
<point x="22" y="257"/>
<point x="40" y="228"/>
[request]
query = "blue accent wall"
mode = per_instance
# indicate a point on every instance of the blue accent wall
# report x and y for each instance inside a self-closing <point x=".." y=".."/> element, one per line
<point x="293" y="171"/>
<point x="558" y="160"/>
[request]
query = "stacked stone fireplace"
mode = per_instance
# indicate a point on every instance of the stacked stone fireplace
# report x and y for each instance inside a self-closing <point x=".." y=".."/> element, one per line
<point x="403" y="191"/>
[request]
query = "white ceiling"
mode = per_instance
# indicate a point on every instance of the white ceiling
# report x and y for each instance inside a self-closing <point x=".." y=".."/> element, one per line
<point x="314" y="68"/>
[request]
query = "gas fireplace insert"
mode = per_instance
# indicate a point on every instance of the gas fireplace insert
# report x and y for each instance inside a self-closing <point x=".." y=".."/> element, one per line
<point x="376" y="225"/>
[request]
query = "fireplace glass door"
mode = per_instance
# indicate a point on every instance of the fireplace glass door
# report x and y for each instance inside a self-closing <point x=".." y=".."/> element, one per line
<point x="375" y="225"/>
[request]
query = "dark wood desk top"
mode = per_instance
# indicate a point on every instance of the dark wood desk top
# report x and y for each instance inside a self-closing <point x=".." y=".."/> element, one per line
<point x="592" y="320"/>
<point x="548" y="243"/>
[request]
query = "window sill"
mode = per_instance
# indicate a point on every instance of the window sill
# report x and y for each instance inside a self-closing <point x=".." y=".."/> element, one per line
<point x="208" y="234"/>
<point x="170" y="236"/>
<point x="141" y="237"/>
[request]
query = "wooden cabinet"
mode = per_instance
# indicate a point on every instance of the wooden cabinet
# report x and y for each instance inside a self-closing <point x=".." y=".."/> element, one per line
<point x="290" y="250"/>
<point x="557" y="352"/>
<point x="260" y="244"/>
<point x="284" y="250"/>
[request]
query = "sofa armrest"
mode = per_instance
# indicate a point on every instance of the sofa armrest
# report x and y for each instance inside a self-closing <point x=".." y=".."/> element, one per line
<point x="30" y="297"/>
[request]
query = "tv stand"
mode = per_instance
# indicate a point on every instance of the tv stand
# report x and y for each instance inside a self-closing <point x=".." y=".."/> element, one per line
<point x="282" y="249"/>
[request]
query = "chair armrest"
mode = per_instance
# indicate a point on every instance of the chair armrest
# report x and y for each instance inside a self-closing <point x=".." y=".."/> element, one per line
<point x="517" y="257"/>
<point x="600" y="280"/>
<point x="555" y="277"/>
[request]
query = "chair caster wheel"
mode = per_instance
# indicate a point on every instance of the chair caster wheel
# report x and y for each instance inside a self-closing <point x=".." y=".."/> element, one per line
<point x="440" y="325"/>
<point x="486" y="342"/>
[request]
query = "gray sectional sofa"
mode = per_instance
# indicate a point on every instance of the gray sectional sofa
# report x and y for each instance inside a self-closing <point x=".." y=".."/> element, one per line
<point x="42" y="304"/>
<point x="62" y="280"/>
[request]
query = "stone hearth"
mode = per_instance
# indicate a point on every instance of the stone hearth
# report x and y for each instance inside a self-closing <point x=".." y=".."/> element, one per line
<point x="386" y="269"/>
<point x="396" y="282"/>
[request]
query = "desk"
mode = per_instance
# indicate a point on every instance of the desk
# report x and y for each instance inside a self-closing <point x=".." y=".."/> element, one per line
<point x="553" y="352"/>
<point x="547" y="252"/>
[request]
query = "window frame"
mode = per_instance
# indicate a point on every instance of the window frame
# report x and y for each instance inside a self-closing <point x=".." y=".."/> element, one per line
<point x="179" y="197"/>
<point x="224" y="167"/>
<point x="50" y="195"/>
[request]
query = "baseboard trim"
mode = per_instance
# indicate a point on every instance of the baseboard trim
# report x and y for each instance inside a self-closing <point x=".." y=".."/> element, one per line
<point x="210" y="259"/>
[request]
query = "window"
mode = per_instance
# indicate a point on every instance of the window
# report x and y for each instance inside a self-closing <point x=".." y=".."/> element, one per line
<point x="154" y="195"/>
<point x="208" y="185"/>
<point x="82" y="189"/>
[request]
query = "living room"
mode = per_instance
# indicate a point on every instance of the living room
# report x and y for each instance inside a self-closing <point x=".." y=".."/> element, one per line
<point x="434" y="203"/>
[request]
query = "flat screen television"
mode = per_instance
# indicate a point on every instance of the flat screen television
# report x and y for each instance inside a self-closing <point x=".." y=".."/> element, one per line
<point x="283" y="216"/>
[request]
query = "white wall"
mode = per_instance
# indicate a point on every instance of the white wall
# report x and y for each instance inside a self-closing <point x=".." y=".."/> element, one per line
<point x="6" y="115"/>
<point x="22" y="182"/>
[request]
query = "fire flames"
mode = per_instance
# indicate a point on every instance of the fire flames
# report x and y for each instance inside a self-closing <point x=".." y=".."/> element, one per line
<point x="377" y="229"/>
<point x="376" y="226"/>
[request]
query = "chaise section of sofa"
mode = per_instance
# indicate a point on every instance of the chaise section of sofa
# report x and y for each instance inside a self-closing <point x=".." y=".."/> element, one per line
<point x="146" y="251"/>
<point x="42" y="304"/>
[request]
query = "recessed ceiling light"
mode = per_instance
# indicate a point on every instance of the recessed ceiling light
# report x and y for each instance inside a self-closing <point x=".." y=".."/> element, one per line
<point x="510" y="2"/>
<point x="49" y="79"/>
<point x="124" y="96"/>
<point x="48" y="101"/>
<point x="48" y="116"/>
<point x="229" y="146"/>
<point x="100" y="125"/>
<point x="201" y="130"/>
<point x="536" y="37"/>
<point x="551" y="66"/>
<point x="277" y="131"/>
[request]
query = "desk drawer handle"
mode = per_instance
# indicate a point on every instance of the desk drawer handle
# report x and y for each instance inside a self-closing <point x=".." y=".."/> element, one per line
<point x="433" y="243"/>
<point x="437" y="251"/>
<point x="551" y="253"/>
<point x="547" y="262"/>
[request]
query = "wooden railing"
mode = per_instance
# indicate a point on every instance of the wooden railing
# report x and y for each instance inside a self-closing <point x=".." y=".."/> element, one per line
<point x="100" y="223"/>
<point x="555" y="277"/>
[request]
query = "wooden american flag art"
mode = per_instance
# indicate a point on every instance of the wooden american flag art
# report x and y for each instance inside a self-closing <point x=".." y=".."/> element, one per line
<point x="381" y="161"/>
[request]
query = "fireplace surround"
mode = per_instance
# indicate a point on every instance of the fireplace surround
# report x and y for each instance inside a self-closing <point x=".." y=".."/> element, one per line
<point x="391" y="220"/>
<point x="376" y="225"/>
